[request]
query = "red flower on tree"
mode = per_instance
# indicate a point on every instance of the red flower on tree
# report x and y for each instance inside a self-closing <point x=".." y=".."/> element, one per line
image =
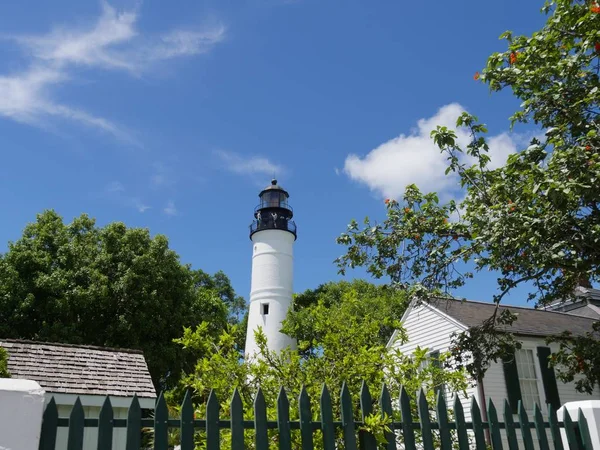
<point x="387" y="201"/>
<point x="512" y="58"/>
<point x="597" y="47"/>
<point x="595" y="8"/>
<point x="476" y="76"/>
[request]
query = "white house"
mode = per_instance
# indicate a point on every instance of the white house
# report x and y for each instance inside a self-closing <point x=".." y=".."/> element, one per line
<point x="587" y="303"/>
<point x="66" y="372"/>
<point x="527" y="378"/>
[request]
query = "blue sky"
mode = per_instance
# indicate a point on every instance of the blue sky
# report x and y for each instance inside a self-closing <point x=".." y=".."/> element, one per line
<point x="173" y="115"/>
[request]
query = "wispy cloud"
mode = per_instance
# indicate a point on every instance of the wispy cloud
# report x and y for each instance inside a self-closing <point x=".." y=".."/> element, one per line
<point x="116" y="191"/>
<point x="114" y="187"/>
<point x="111" y="43"/>
<point x="141" y="207"/>
<point x="414" y="158"/>
<point x="248" y="165"/>
<point x="170" y="209"/>
<point x="162" y="176"/>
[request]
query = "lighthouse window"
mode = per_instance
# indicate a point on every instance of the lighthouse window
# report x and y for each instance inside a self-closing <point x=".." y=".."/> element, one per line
<point x="265" y="308"/>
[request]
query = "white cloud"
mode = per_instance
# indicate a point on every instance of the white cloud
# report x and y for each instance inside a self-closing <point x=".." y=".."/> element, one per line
<point x="141" y="207"/>
<point x="114" y="43"/>
<point x="93" y="47"/>
<point x="162" y="176"/>
<point x="413" y="158"/>
<point x="248" y="165"/>
<point x="111" y="43"/>
<point x="114" y="186"/>
<point x="117" y="192"/>
<point x="170" y="209"/>
<point x="185" y="43"/>
<point x="501" y="146"/>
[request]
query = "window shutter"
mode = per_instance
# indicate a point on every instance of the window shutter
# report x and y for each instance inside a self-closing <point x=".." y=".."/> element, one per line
<point x="548" y="378"/>
<point x="511" y="377"/>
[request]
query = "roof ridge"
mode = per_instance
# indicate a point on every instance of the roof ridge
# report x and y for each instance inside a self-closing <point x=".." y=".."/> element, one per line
<point x="518" y="307"/>
<point x="60" y="344"/>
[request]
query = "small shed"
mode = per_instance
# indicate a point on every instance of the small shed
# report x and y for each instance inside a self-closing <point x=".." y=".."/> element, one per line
<point x="67" y="371"/>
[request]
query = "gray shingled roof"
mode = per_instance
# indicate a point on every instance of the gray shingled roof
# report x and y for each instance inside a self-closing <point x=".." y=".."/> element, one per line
<point x="536" y="322"/>
<point x="73" y="369"/>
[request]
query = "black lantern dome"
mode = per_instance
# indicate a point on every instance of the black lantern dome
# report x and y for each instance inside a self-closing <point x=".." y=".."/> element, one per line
<point x="273" y="212"/>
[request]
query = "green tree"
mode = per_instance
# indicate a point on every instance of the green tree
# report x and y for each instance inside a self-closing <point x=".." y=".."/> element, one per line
<point x="4" y="373"/>
<point x="534" y="221"/>
<point x="350" y="350"/>
<point x="110" y="286"/>
<point x="220" y="283"/>
<point x="383" y="304"/>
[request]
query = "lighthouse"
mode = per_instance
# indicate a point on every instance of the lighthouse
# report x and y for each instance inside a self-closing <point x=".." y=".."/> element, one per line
<point x="273" y="233"/>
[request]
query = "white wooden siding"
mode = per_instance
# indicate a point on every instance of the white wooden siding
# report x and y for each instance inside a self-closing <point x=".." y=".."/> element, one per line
<point x="91" y="409"/>
<point x="495" y="386"/>
<point x="427" y="327"/>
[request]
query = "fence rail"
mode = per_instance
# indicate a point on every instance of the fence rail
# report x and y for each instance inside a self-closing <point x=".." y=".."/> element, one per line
<point x="403" y="434"/>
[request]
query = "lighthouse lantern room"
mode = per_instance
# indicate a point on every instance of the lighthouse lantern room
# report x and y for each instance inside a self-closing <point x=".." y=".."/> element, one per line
<point x="273" y="233"/>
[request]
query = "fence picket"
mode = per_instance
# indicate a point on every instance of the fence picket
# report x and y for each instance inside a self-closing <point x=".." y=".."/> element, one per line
<point x="186" y="423"/>
<point x="525" y="429"/>
<point x="49" y="426"/>
<point x="347" y="418"/>
<point x="237" y="421"/>
<point x="283" y="420"/>
<point x="554" y="429"/>
<point x="385" y="403"/>
<point x="327" y="420"/>
<point x="407" y="429"/>
<point x="494" y="426"/>
<point x="366" y="439"/>
<point x="76" y="421"/>
<point x="105" y="426"/>
<point x="425" y="421"/>
<point x="461" y="427"/>
<point x="442" y="418"/>
<point x="306" y="432"/>
<point x="261" y="437"/>
<point x="509" y="425"/>
<point x="584" y="431"/>
<point x="480" y="443"/>
<point x="161" y="417"/>
<point x="134" y="425"/>
<point x="577" y="433"/>
<point x="570" y="431"/>
<point x="540" y="428"/>
<point x="212" y="422"/>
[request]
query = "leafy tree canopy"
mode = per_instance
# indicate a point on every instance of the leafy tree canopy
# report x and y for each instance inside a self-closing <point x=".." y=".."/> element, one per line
<point x="110" y="286"/>
<point x="350" y="349"/>
<point x="535" y="220"/>
<point x="354" y="300"/>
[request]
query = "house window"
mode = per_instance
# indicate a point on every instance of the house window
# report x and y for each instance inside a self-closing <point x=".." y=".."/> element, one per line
<point x="528" y="381"/>
<point x="265" y="308"/>
<point x="432" y="359"/>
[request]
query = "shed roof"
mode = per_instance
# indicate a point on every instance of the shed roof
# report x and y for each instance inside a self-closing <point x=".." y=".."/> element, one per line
<point x="75" y="369"/>
<point x="535" y="322"/>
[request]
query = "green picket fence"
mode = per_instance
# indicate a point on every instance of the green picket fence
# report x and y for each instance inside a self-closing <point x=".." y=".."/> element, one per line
<point x="405" y="434"/>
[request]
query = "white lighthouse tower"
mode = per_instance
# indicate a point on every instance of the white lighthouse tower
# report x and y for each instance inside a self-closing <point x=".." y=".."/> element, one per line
<point x="273" y="233"/>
